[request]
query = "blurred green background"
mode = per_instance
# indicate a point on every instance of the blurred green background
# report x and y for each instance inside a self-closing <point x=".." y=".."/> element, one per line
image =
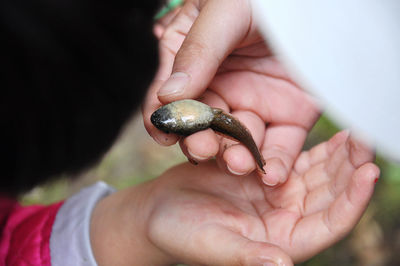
<point x="135" y="157"/>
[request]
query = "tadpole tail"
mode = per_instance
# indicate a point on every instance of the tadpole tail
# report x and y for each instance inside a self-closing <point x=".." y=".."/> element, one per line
<point x="228" y="125"/>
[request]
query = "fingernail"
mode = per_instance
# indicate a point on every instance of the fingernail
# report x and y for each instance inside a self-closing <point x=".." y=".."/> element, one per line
<point x="157" y="139"/>
<point x="234" y="172"/>
<point x="262" y="262"/>
<point x="196" y="157"/>
<point x="269" y="181"/>
<point x="269" y="263"/>
<point x="376" y="180"/>
<point x="175" y="84"/>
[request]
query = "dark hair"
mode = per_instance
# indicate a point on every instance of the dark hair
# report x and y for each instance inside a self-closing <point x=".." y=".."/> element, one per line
<point x="74" y="72"/>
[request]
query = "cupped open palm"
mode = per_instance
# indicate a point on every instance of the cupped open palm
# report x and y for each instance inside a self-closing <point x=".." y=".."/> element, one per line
<point x="327" y="191"/>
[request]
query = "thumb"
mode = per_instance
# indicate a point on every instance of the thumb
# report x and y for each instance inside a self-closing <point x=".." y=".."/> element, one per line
<point x="220" y="26"/>
<point x="225" y="247"/>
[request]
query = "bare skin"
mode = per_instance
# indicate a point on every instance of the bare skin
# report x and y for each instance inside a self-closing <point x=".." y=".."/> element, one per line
<point x="217" y="44"/>
<point x="186" y="117"/>
<point x="202" y="216"/>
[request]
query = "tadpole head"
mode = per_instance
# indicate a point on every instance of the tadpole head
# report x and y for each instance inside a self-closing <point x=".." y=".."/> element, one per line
<point x="161" y="119"/>
<point x="182" y="117"/>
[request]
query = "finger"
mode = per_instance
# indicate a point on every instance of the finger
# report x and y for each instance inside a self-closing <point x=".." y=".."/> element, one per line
<point x="237" y="158"/>
<point x="169" y="44"/>
<point x="203" y="145"/>
<point x="321" y="196"/>
<point x="318" y="154"/>
<point x="173" y="35"/>
<point x="151" y="103"/>
<point x="208" y="42"/>
<point x="281" y="145"/>
<point x="359" y="152"/>
<point x="216" y="245"/>
<point x="257" y="58"/>
<point x="162" y="23"/>
<point x="346" y="158"/>
<point x="166" y="19"/>
<point x="290" y="112"/>
<point x="274" y="99"/>
<point x="324" y="228"/>
<point x="214" y="100"/>
<point x="312" y="164"/>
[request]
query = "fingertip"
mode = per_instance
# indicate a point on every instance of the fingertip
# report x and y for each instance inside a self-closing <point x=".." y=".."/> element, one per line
<point x="164" y="139"/>
<point x="364" y="180"/>
<point x="258" y="253"/>
<point x="238" y="160"/>
<point x="158" y="31"/>
<point x="302" y="163"/>
<point x="230" y="248"/>
<point x="276" y="172"/>
<point x="338" y="139"/>
<point x="349" y="206"/>
<point x="202" y="50"/>
<point x="174" y="87"/>
<point x="160" y="137"/>
<point x="369" y="172"/>
<point x="375" y="172"/>
<point x="360" y="153"/>
<point x="214" y="100"/>
<point x="201" y="146"/>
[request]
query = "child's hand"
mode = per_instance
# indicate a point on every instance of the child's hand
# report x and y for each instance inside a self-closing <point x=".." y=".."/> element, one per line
<point x="217" y="44"/>
<point x="200" y="215"/>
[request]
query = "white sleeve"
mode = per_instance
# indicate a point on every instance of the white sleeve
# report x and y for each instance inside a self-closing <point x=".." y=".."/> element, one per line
<point x="70" y="239"/>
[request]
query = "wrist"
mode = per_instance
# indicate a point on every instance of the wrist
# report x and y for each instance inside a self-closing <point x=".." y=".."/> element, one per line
<point x="119" y="231"/>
